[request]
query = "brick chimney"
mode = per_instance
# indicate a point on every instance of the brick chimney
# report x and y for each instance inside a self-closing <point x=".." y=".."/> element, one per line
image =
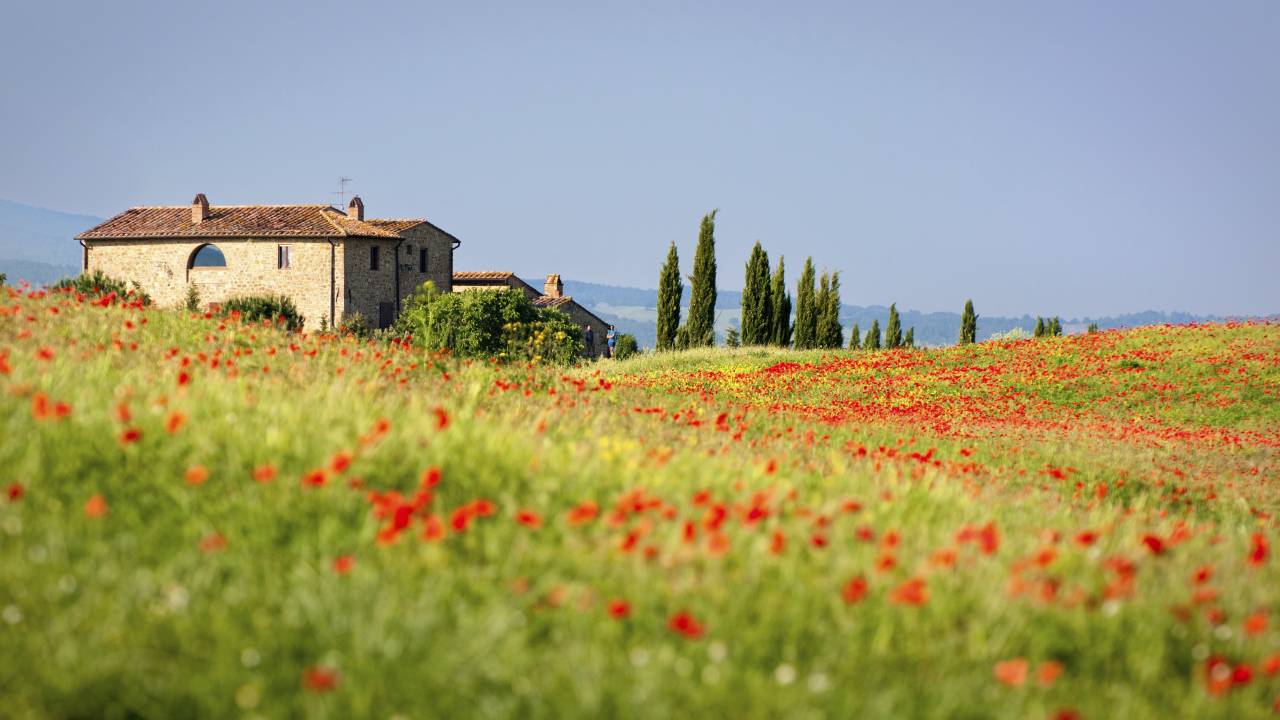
<point x="199" y="209"/>
<point x="355" y="210"/>
<point x="553" y="287"/>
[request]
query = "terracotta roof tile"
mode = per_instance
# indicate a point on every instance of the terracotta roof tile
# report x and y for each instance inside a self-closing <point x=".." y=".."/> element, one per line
<point x="552" y="302"/>
<point x="464" y="275"/>
<point x="243" y="221"/>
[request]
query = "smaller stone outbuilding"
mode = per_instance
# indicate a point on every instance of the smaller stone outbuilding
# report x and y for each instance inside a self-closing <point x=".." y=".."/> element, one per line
<point x="552" y="296"/>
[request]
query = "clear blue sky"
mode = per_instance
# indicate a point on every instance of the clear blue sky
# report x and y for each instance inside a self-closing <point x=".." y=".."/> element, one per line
<point x="1070" y="158"/>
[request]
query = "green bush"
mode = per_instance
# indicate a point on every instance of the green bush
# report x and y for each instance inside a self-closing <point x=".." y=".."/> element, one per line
<point x="626" y="346"/>
<point x="99" y="283"/>
<point x="192" y="303"/>
<point x="356" y="325"/>
<point x="489" y="323"/>
<point x="255" y="308"/>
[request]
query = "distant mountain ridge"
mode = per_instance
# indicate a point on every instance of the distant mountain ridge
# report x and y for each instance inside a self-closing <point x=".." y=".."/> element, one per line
<point x="38" y="245"/>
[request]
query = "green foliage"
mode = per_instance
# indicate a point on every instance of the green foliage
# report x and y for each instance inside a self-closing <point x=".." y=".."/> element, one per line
<point x="670" y="292"/>
<point x="192" y="301"/>
<point x="502" y="324"/>
<point x="830" y="331"/>
<point x="855" y="338"/>
<point x="356" y="325"/>
<point x="909" y="340"/>
<point x="702" y="287"/>
<point x="756" y="313"/>
<point x="732" y="338"/>
<point x="968" y="324"/>
<point x="3" y="279"/>
<point x="872" y="341"/>
<point x="780" y="305"/>
<point x="256" y="308"/>
<point x="1093" y="328"/>
<point x="99" y="283"/>
<point x="1041" y="328"/>
<point x="682" y="337"/>
<point x="806" y="329"/>
<point x="893" y="330"/>
<point x="1055" y="326"/>
<point x="625" y="346"/>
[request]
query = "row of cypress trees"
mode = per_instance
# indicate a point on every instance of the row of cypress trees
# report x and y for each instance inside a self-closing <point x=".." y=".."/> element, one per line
<point x="698" y="330"/>
<point x="1048" y="327"/>
<point x="766" y="304"/>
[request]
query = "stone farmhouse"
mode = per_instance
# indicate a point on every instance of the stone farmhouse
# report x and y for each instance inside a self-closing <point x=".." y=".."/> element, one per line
<point x="329" y="262"/>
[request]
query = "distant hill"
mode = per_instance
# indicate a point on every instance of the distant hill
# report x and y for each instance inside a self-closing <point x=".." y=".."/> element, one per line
<point x="38" y="245"/>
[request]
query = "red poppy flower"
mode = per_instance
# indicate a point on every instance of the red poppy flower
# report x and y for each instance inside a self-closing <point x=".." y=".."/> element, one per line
<point x="619" y="609"/>
<point x="1202" y="575"/>
<point x="1049" y="672"/>
<point x="213" y="542"/>
<point x="123" y="413"/>
<point x="197" y="474"/>
<point x="320" y="679"/>
<point x="340" y="462"/>
<point x="95" y="507"/>
<point x="175" y="421"/>
<point x="442" y="418"/>
<point x="912" y="592"/>
<point x="264" y="473"/>
<point x="45" y="353"/>
<point x="1258" y="550"/>
<point x="1256" y="624"/>
<point x="430" y="478"/>
<point x="529" y="519"/>
<point x="684" y="623"/>
<point x="16" y="491"/>
<point x="184" y="378"/>
<point x="1154" y="544"/>
<point x="1011" y="672"/>
<point x="432" y="528"/>
<point x="854" y="590"/>
<point x="583" y="513"/>
<point x="1086" y="537"/>
<point x="130" y="436"/>
<point x="778" y="543"/>
<point x="41" y="408"/>
<point x="343" y="564"/>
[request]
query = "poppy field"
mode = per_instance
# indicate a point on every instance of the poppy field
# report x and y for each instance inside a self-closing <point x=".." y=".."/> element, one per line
<point x="208" y="518"/>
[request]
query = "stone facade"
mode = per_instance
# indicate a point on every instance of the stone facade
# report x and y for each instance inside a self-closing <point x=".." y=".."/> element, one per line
<point x="330" y="273"/>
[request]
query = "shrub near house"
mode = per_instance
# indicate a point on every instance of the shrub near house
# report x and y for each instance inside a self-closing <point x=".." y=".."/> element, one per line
<point x="494" y="323"/>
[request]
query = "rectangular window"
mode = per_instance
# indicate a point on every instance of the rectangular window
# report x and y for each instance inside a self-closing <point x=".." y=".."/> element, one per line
<point x="373" y="258"/>
<point x="284" y="257"/>
<point x="422" y="260"/>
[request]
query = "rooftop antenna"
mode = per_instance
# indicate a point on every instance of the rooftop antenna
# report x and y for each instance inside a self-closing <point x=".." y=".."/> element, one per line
<point x="342" y="191"/>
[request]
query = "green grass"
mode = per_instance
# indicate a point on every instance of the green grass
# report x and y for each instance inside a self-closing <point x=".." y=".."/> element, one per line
<point x="125" y="615"/>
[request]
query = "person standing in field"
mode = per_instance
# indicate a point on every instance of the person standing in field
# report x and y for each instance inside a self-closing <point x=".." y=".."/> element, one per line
<point x="589" y="339"/>
<point x="612" y="337"/>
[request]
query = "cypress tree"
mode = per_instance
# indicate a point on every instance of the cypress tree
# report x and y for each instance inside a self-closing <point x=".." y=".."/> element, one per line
<point x="968" y="324"/>
<point x="702" y="286"/>
<point x="1055" y="327"/>
<point x="670" y="292"/>
<point x="780" y="305"/>
<point x="1039" y="326"/>
<point x="806" y="331"/>
<point x="909" y="340"/>
<point x="855" y="338"/>
<point x="756" y="313"/>
<point x="893" y="330"/>
<point x="872" y="342"/>
<point x="830" y="332"/>
<point x="1093" y="328"/>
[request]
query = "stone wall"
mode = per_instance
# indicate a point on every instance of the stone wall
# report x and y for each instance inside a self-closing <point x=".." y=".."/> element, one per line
<point x="365" y="289"/>
<point x="160" y="267"/>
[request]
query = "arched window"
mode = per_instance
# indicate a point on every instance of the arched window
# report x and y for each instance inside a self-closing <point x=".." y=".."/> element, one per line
<point x="207" y="256"/>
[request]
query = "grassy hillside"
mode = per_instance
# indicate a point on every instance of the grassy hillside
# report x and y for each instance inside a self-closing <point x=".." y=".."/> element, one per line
<point x="208" y="519"/>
